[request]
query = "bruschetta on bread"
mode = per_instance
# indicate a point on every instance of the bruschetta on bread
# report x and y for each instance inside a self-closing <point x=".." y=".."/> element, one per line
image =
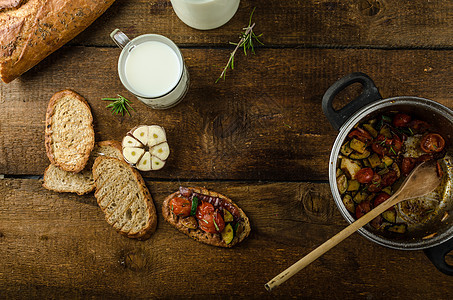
<point x="206" y="216"/>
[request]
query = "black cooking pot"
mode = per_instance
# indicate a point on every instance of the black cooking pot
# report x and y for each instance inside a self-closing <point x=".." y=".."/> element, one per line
<point x="434" y="237"/>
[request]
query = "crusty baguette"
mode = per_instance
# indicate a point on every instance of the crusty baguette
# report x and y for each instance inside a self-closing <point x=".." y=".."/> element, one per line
<point x="199" y="235"/>
<point x="69" y="135"/>
<point x="31" y="30"/>
<point x="124" y="198"/>
<point x="57" y="180"/>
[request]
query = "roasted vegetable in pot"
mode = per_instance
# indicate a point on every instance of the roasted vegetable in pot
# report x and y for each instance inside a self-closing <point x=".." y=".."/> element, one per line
<point x="373" y="160"/>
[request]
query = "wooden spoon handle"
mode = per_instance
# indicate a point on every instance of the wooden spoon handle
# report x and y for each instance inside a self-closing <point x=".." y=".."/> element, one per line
<point x="329" y="244"/>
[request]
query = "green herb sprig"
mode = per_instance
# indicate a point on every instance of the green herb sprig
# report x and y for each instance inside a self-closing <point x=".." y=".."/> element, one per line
<point x="247" y="38"/>
<point x="119" y="105"/>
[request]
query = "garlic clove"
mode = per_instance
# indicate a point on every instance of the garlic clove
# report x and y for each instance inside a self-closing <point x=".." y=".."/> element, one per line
<point x="156" y="135"/>
<point x="129" y="141"/>
<point x="132" y="154"/>
<point x="141" y="134"/>
<point x="162" y="151"/>
<point x="157" y="163"/>
<point x="145" y="162"/>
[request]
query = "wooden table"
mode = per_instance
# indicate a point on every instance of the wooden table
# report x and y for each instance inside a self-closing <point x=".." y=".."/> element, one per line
<point x="259" y="137"/>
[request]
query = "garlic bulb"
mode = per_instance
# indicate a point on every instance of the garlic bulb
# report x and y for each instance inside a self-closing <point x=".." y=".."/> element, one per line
<point x="146" y="147"/>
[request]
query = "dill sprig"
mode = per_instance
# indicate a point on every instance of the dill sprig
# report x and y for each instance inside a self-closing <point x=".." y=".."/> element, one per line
<point x="119" y="105"/>
<point x="247" y="38"/>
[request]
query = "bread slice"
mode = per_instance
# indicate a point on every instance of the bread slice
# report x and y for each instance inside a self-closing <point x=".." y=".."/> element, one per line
<point x="31" y="30"/>
<point x="243" y="223"/>
<point x="122" y="195"/>
<point x="69" y="135"/>
<point x="56" y="179"/>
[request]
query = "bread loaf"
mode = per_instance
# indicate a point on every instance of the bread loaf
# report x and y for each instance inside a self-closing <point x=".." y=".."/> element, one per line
<point x="56" y="179"/>
<point x="31" y="30"/>
<point x="69" y="134"/>
<point x="124" y="198"/>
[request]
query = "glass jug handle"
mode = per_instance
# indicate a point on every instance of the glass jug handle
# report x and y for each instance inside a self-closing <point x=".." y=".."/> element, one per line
<point x="119" y="38"/>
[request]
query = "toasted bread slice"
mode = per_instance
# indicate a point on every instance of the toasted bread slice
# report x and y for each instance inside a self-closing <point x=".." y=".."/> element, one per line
<point x="124" y="198"/>
<point x="69" y="135"/>
<point x="56" y="179"/>
<point x="215" y="239"/>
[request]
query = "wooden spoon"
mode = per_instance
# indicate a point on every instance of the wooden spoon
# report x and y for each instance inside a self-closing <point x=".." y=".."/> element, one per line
<point x="421" y="181"/>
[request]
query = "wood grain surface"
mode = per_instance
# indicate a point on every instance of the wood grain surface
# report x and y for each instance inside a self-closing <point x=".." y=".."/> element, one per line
<point x="259" y="137"/>
<point x="314" y="23"/>
<point x="59" y="244"/>
<point x="263" y="123"/>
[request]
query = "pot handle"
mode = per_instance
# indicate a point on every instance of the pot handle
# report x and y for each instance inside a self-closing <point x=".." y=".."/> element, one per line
<point x="369" y="94"/>
<point x="437" y="256"/>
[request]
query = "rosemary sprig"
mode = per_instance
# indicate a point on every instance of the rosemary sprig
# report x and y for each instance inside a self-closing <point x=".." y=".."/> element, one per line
<point x="119" y="105"/>
<point x="246" y="41"/>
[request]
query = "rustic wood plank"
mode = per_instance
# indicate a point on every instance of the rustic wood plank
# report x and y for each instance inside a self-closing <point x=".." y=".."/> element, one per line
<point x="59" y="245"/>
<point x="264" y="122"/>
<point x="326" y="23"/>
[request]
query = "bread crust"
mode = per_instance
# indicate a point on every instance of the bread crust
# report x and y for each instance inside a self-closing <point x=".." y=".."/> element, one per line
<point x="31" y="31"/>
<point x="49" y="132"/>
<point x="151" y="226"/>
<point x="198" y="234"/>
<point x="111" y="143"/>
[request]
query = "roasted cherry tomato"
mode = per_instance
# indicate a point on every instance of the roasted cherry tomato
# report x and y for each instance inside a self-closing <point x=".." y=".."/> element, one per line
<point x="432" y="142"/>
<point x="380" y="198"/>
<point x="397" y="144"/>
<point x="180" y="206"/>
<point x="364" y="175"/>
<point x="385" y="146"/>
<point x="375" y="185"/>
<point x="407" y="165"/>
<point x="362" y="209"/>
<point x="401" y="120"/>
<point x="209" y="219"/>
<point x="379" y="145"/>
<point x="361" y="135"/>
<point x="419" y="126"/>
<point x="389" y="178"/>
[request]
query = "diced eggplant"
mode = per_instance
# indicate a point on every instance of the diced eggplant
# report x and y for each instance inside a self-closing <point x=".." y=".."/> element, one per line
<point x="350" y="167"/>
<point x="357" y="145"/>
<point x="339" y="172"/>
<point x="387" y="161"/>
<point x="387" y="190"/>
<point x="366" y="163"/>
<point x="385" y="131"/>
<point x="357" y="155"/>
<point x="397" y="228"/>
<point x="349" y="203"/>
<point x="389" y="215"/>
<point x="342" y="183"/>
<point x="345" y="149"/>
<point x="353" y="185"/>
<point x="360" y="196"/>
<point x="385" y="170"/>
<point x="370" y="129"/>
<point x="370" y="197"/>
<point x="372" y="122"/>
<point x="374" y="160"/>
<point x="396" y="169"/>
